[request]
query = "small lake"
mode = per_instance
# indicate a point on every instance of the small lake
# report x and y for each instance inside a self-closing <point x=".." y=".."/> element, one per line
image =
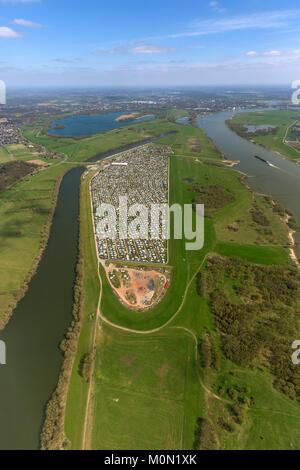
<point x="85" y="124"/>
<point x="251" y="128"/>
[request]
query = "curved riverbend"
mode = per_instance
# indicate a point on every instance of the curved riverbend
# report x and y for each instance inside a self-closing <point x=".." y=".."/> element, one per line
<point x="281" y="181"/>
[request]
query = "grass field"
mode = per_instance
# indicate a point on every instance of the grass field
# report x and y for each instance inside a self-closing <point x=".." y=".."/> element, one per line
<point x="148" y="388"/>
<point x="282" y="119"/>
<point x="5" y="156"/>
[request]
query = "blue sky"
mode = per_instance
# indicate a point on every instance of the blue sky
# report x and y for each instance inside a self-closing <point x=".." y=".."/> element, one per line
<point x="97" y="42"/>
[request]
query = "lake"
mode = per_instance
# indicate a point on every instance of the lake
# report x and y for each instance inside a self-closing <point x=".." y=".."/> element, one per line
<point x="85" y="124"/>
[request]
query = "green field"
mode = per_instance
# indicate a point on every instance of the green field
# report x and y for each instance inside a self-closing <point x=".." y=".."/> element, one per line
<point x="282" y="119"/>
<point x="149" y="387"/>
<point x="5" y="156"/>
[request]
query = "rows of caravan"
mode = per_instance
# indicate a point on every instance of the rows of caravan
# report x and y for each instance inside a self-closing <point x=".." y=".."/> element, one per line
<point x="140" y="175"/>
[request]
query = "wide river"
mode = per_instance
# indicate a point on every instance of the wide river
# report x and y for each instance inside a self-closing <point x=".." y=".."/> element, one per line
<point x="41" y="318"/>
<point x="282" y="181"/>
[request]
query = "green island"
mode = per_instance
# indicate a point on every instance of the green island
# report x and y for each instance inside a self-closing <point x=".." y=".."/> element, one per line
<point x="181" y="375"/>
<point x="280" y="130"/>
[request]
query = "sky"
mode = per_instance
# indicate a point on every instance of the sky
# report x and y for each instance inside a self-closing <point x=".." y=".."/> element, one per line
<point x="154" y="43"/>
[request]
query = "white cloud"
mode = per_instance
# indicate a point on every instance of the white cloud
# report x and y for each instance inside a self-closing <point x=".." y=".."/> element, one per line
<point x="8" y="33"/>
<point x="265" y="20"/>
<point x="141" y="47"/>
<point x="149" y="49"/>
<point x="216" y="7"/>
<point x="27" y="23"/>
<point x="274" y="53"/>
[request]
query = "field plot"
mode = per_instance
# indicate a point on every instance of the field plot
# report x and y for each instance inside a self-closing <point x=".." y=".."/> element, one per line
<point x="137" y="288"/>
<point x="5" y="156"/>
<point x="141" y="384"/>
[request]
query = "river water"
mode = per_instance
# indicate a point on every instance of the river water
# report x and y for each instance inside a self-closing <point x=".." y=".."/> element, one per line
<point x="39" y="322"/>
<point x="282" y="181"/>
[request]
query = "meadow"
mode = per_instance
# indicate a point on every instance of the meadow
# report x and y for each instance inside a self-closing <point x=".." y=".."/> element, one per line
<point x="26" y="208"/>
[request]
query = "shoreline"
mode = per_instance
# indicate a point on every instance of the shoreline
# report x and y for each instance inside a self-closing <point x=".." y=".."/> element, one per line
<point x="292" y="250"/>
<point x="293" y="255"/>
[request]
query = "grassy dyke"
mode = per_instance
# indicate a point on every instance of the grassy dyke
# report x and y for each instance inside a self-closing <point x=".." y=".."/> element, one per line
<point x="78" y="389"/>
